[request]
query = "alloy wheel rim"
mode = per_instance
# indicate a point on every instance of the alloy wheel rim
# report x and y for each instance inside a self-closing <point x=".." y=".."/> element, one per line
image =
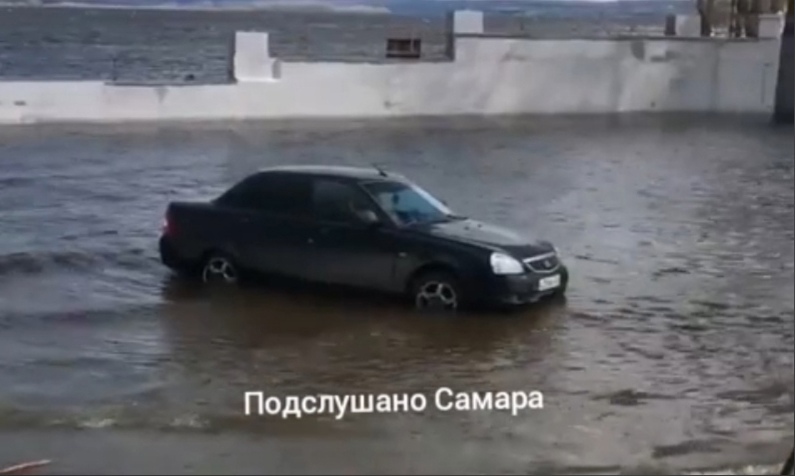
<point x="435" y="295"/>
<point x="219" y="270"/>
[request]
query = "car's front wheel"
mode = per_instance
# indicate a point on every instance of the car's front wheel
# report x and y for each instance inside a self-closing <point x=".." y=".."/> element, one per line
<point x="436" y="291"/>
<point x="219" y="268"/>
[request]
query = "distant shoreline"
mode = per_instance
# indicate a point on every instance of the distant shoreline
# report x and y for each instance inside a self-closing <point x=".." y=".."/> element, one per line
<point x="403" y="8"/>
<point x="276" y="7"/>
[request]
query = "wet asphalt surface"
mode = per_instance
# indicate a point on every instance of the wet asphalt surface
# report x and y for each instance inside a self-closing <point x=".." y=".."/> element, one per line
<point x="674" y="347"/>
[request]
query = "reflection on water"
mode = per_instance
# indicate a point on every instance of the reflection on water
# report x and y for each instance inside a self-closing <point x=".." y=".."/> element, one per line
<point x="337" y="344"/>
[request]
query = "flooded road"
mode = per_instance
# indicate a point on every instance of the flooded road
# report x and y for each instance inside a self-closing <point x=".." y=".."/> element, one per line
<point x="673" y="350"/>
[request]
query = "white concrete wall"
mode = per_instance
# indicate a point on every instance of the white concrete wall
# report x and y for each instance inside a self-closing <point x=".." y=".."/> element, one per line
<point x="489" y="76"/>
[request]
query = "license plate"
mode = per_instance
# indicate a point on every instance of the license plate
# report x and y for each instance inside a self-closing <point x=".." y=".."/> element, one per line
<point x="550" y="282"/>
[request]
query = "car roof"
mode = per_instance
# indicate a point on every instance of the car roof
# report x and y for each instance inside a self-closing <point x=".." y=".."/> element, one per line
<point x="356" y="173"/>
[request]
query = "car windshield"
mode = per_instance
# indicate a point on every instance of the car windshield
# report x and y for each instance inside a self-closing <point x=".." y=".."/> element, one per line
<point x="408" y="204"/>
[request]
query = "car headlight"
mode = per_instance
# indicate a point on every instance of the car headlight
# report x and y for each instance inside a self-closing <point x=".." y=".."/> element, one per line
<point x="504" y="264"/>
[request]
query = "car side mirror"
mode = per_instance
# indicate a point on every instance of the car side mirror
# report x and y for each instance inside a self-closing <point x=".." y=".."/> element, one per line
<point x="368" y="217"/>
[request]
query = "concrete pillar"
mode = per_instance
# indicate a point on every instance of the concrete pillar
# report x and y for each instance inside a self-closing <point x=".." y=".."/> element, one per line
<point x="785" y="87"/>
<point x="468" y="22"/>
<point x="251" y="58"/>
<point x="771" y="25"/>
<point x="461" y="22"/>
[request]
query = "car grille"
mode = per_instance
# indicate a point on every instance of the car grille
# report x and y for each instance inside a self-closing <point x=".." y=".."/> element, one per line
<point x="545" y="263"/>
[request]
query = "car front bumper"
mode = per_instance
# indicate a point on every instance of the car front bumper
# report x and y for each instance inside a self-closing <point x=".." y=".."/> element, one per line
<point x="517" y="290"/>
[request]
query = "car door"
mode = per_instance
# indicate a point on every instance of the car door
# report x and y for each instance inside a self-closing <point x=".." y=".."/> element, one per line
<point x="274" y="224"/>
<point x="344" y="249"/>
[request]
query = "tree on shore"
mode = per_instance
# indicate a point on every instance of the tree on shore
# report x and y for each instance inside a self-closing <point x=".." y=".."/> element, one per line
<point x="739" y="18"/>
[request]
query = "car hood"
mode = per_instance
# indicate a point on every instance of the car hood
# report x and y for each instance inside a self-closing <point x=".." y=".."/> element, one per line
<point x="485" y="234"/>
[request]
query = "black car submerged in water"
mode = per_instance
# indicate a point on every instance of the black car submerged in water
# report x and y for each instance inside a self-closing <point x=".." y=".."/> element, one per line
<point x="357" y="227"/>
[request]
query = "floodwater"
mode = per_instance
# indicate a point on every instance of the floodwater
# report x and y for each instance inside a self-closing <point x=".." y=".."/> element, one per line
<point x="673" y="351"/>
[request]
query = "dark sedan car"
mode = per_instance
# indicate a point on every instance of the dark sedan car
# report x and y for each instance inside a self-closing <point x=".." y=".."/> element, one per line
<point x="357" y="227"/>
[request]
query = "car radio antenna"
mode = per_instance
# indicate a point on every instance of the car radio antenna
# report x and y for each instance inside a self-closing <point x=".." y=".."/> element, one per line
<point x="380" y="170"/>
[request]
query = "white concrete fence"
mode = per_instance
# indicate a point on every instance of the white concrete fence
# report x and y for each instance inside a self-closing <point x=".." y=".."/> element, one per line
<point x="489" y="75"/>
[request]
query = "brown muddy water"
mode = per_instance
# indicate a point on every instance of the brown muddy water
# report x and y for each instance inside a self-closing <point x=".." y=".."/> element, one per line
<point x="673" y="351"/>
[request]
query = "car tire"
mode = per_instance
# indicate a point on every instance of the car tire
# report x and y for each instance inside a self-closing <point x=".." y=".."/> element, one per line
<point x="438" y="291"/>
<point x="219" y="268"/>
<point x="789" y="466"/>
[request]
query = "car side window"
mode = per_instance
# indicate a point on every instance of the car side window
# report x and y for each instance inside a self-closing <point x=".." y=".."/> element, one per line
<point x="284" y="194"/>
<point x="334" y="201"/>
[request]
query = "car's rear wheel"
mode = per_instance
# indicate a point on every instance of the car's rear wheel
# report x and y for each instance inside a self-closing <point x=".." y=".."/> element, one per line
<point x="219" y="268"/>
<point x="437" y="291"/>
